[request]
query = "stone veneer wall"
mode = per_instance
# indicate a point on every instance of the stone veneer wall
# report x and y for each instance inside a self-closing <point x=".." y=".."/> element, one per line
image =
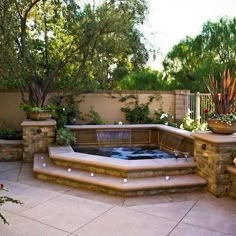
<point x="11" y="150"/>
<point x="232" y="183"/>
<point x="212" y="154"/>
<point x="37" y="135"/>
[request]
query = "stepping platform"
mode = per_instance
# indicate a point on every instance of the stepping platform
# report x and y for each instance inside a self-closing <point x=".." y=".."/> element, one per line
<point x="66" y="157"/>
<point x="46" y="170"/>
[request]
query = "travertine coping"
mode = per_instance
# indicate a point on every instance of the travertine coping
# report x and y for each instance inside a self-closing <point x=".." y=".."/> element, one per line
<point x="44" y="123"/>
<point x="3" y="141"/>
<point x="215" y="138"/>
<point x="183" y="133"/>
<point x="68" y="154"/>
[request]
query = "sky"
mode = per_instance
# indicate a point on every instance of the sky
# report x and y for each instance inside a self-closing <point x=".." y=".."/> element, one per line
<point x="169" y="21"/>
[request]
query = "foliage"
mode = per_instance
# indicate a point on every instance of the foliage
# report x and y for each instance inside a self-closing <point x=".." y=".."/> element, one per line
<point x="69" y="44"/>
<point x="64" y="137"/>
<point x="224" y="103"/>
<point x="233" y="153"/>
<point x="193" y="59"/>
<point x="164" y="118"/>
<point x="5" y="199"/>
<point x="9" y="132"/>
<point x="145" y="79"/>
<point x="95" y="118"/>
<point x="192" y="125"/>
<point x="27" y="108"/>
<point x="64" y="110"/>
<point x="137" y="113"/>
<point x="228" y="118"/>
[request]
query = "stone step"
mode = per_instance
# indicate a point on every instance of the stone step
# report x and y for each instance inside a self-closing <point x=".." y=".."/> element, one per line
<point x="46" y="170"/>
<point x="66" y="157"/>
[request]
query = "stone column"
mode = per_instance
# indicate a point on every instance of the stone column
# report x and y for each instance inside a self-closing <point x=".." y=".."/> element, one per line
<point x="232" y="186"/>
<point x="37" y="135"/>
<point x="212" y="153"/>
<point x="182" y="103"/>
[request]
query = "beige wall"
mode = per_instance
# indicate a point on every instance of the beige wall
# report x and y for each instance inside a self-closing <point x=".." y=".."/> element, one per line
<point x="10" y="107"/>
<point x="106" y="104"/>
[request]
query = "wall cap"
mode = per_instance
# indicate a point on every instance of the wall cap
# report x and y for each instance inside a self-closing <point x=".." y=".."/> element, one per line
<point x="166" y="128"/>
<point x="5" y="142"/>
<point x="33" y="123"/>
<point x="214" y="138"/>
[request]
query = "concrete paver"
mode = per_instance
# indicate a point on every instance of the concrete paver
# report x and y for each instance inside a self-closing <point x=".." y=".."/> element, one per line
<point x="122" y="221"/>
<point x="210" y="215"/>
<point x="22" y="226"/>
<point x="30" y="196"/>
<point x="190" y="230"/>
<point x="171" y="210"/>
<point x="51" y="209"/>
<point x="67" y="212"/>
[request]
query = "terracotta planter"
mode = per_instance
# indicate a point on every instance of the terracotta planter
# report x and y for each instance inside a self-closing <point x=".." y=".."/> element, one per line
<point x="220" y="127"/>
<point x="43" y="115"/>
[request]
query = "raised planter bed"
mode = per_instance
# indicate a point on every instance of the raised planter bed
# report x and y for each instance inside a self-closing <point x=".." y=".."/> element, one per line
<point x="11" y="150"/>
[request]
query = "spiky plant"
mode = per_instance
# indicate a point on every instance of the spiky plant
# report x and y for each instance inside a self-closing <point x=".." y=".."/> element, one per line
<point x="5" y="199"/>
<point x="223" y="97"/>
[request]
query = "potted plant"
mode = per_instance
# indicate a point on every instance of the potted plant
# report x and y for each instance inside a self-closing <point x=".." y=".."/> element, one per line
<point x="35" y="107"/>
<point x="35" y="112"/>
<point x="223" y="119"/>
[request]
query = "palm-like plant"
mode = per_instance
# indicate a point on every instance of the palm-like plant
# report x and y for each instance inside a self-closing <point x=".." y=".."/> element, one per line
<point x="223" y="97"/>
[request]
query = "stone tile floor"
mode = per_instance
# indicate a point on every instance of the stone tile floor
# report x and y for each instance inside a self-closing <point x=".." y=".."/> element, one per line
<point x="50" y="209"/>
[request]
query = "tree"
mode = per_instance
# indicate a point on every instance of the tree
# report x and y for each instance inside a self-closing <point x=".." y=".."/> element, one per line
<point x="144" y="79"/>
<point x="59" y="42"/>
<point x="210" y="52"/>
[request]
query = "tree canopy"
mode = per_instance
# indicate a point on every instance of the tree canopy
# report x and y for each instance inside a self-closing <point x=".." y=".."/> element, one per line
<point x="210" y="52"/>
<point x="69" y="44"/>
<point x="145" y="79"/>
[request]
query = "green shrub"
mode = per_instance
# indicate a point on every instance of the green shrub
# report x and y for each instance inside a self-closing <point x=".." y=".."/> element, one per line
<point x="94" y="117"/>
<point x="64" y="110"/>
<point x="64" y="137"/>
<point x="192" y="125"/>
<point x="161" y="117"/>
<point x="139" y="114"/>
<point x="9" y="132"/>
<point x="136" y="113"/>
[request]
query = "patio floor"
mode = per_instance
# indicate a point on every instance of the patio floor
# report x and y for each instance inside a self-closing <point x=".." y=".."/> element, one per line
<point x="50" y="209"/>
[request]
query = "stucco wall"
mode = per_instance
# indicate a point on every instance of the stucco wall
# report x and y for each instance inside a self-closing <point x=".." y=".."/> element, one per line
<point x="10" y="108"/>
<point x="107" y="104"/>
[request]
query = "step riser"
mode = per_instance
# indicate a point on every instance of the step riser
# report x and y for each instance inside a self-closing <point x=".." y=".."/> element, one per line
<point x="129" y="193"/>
<point x="124" y="173"/>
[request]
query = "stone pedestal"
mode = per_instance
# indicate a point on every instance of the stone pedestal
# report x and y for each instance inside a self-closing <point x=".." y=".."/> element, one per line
<point x="182" y="104"/>
<point x="212" y="153"/>
<point x="232" y="185"/>
<point x="37" y="135"/>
